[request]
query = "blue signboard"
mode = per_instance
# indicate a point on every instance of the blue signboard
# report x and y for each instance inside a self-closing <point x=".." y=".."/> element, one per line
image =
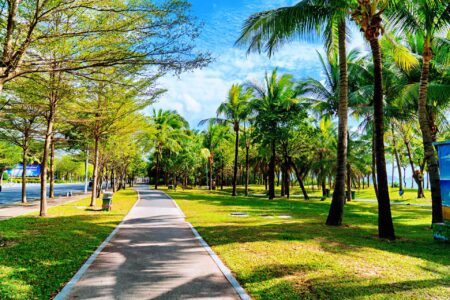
<point x="442" y="231"/>
<point x="444" y="169"/>
<point x="33" y="170"/>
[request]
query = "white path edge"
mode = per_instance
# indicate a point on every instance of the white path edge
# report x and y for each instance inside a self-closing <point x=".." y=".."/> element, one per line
<point x="224" y="269"/>
<point x="68" y="287"/>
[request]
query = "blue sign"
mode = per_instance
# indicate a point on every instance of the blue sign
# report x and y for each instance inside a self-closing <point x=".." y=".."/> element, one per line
<point x="33" y="170"/>
<point x="444" y="170"/>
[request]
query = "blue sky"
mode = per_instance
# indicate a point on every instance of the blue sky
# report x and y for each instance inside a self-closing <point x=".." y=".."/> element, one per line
<point x="197" y="94"/>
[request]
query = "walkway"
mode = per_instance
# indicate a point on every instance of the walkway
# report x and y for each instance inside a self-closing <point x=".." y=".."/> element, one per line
<point x="154" y="255"/>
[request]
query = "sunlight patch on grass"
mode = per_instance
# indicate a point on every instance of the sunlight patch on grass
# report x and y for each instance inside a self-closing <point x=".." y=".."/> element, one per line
<point x="46" y="252"/>
<point x="301" y="258"/>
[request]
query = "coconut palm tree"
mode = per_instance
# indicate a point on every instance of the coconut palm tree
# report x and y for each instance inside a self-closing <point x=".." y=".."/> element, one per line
<point x="426" y="19"/>
<point x="268" y="30"/>
<point x="367" y="15"/>
<point x="234" y="110"/>
<point x="168" y="126"/>
<point x="274" y="103"/>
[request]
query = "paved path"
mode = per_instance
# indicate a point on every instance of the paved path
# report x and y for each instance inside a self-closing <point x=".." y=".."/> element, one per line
<point x="154" y="255"/>
<point x="8" y="211"/>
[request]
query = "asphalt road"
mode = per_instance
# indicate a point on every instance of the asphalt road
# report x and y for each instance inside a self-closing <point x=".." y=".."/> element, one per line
<point x="13" y="192"/>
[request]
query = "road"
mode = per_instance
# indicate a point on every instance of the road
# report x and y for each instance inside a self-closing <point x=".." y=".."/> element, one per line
<point x="13" y="192"/>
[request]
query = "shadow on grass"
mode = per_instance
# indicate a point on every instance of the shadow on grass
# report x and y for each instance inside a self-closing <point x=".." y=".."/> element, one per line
<point x="46" y="252"/>
<point x="360" y="229"/>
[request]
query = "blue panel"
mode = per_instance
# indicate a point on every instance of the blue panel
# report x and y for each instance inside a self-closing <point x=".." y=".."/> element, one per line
<point x="33" y="170"/>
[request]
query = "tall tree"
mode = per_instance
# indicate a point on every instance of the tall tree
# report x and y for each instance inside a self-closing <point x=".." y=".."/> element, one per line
<point x="168" y="130"/>
<point x="234" y="111"/>
<point x="275" y="101"/>
<point x="426" y="19"/>
<point x="367" y="14"/>
<point x="269" y="30"/>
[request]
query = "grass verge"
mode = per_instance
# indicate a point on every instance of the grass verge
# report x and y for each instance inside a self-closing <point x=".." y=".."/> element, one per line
<point x="39" y="255"/>
<point x="301" y="258"/>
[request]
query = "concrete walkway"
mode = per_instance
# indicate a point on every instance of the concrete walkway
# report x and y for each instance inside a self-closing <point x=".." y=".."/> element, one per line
<point x="154" y="255"/>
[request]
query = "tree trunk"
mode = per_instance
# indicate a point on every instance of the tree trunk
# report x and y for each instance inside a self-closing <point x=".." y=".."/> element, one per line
<point x="299" y="179"/>
<point x="236" y="152"/>
<point x="24" y="176"/>
<point x="222" y="177"/>
<point x="157" y="170"/>
<point x="95" y="173"/>
<point x="210" y="172"/>
<point x="44" y="163"/>
<point x="349" y="184"/>
<point x="428" y="138"/>
<point x="337" y="203"/>
<point x="397" y="158"/>
<point x="374" y="167"/>
<point x="415" y="175"/>
<point x="385" y="225"/>
<point x="246" y="170"/>
<point x="272" y="172"/>
<point x="51" y="170"/>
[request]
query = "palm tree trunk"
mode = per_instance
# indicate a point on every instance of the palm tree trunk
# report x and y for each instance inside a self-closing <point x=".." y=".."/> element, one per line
<point x="385" y="225"/>
<point x="299" y="179"/>
<point x="374" y="167"/>
<point x="427" y="137"/>
<point x="210" y="172"/>
<point x="397" y="158"/>
<point x="272" y="173"/>
<point x="246" y="169"/>
<point x="337" y="203"/>
<point x="349" y="184"/>
<point x="236" y="152"/>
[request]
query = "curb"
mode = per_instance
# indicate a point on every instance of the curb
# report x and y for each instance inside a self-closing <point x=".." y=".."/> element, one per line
<point x="224" y="269"/>
<point x="68" y="287"/>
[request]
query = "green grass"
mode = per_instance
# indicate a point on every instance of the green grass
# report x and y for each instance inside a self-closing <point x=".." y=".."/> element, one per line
<point x="39" y="255"/>
<point x="409" y="197"/>
<point x="301" y="258"/>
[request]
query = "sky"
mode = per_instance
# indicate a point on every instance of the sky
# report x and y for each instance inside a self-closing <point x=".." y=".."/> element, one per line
<point x="196" y="95"/>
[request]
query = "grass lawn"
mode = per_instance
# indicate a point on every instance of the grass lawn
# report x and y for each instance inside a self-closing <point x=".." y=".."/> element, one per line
<point x="301" y="258"/>
<point x="39" y="255"/>
<point x="410" y="195"/>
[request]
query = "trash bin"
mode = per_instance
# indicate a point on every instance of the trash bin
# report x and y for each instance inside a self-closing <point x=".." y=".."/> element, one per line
<point x="107" y="201"/>
<point x="353" y="195"/>
<point x="327" y="193"/>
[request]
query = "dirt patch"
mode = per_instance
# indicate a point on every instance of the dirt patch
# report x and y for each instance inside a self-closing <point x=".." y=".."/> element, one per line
<point x="6" y="243"/>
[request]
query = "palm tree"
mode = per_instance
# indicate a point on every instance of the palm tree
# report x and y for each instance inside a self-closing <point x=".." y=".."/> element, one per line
<point x="426" y="19"/>
<point x="214" y="137"/>
<point x="235" y="110"/>
<point x="274" y="102"/>
<point x="269" y="30"/>
<point x="367" y="14"/>
<point x="168" y="127"/>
